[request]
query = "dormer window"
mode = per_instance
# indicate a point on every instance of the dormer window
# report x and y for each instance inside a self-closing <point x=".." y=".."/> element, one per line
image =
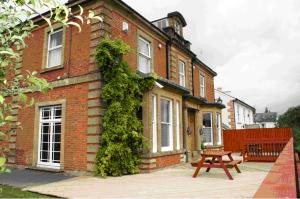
<point x="177" y="27"/>
<point x="161" y="24"/>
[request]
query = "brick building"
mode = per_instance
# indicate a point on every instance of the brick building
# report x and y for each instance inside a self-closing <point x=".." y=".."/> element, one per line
<point x="62" y="130"/>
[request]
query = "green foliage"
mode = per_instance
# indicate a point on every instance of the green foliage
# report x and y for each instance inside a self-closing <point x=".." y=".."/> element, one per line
<point x="15" y="27"/>
<point x="122" y="140"/>
<point x="291" y="119"/>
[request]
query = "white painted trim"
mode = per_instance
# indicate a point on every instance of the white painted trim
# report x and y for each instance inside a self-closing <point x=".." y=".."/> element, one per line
<point x="154" y="124"/>
<point x="219" y="130"/>
<point x="177" y="126"/>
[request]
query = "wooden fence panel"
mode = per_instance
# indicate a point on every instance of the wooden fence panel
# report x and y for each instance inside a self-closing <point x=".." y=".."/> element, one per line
<point x="234" y="140"/>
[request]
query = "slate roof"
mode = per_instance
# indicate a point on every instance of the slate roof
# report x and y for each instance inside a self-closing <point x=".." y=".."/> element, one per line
<point x="265" y="117"/>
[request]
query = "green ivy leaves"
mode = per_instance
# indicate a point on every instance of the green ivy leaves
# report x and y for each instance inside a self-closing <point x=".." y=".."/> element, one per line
<point x="122" y="140"/>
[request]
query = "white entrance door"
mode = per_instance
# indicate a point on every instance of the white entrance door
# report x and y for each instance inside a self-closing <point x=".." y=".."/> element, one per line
<point x="50" y="137"/>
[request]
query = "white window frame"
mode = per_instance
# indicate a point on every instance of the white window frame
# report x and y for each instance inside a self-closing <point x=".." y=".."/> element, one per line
<point x="181" y="73"/>
<point x="211" y="129"/>
<point x="148" y="57"/>
<point x="154" y="124"/>
<point x="51" y="121"/>
<point x="177" y="126"/>
<point x="202" y="85"/>
<point x="219" y="128"/>
<point x="54" y="48"/>
<point x="170" y="123"/>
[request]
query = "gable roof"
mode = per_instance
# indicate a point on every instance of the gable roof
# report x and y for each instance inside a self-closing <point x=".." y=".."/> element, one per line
<point x="244" y="104"/>
<point x="236" y="99"/>
<point x="265" y="117"/>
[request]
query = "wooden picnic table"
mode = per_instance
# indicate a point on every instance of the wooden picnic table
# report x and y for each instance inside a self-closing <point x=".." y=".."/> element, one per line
<point x="216" y="162"/>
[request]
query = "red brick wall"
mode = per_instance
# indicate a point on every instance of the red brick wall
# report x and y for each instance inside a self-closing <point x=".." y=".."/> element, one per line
<point x="75" y="127"/>
<point x="196" y="81"/>
<point x="131" y="39"/>
<point x="169" y="160"/>
<point x="76" y="62"/>
<point x="76" y="52"/>
<point x="209" y="85"/>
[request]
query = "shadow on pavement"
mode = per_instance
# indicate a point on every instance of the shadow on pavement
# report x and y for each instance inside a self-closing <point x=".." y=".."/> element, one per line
<point x="24" y="178"/>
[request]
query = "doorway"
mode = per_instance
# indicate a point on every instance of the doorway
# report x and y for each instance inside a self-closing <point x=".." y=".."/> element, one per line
<point x="191" y="131"/>
<point x="50" y="137"/>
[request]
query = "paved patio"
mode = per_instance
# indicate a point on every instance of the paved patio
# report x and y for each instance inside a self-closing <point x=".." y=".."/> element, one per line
<point x="176" y="182"/>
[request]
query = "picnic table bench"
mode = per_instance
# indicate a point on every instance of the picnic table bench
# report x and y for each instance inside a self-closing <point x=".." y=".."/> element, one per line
<point x="216" y="162"/>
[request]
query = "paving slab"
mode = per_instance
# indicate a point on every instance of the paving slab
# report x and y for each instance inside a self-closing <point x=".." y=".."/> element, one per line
<point x="25" y="178"/>
<point x="175" y="182"/>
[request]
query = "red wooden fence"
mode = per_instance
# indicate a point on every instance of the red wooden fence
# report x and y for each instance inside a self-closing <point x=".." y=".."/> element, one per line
<point x="235" y="140"/>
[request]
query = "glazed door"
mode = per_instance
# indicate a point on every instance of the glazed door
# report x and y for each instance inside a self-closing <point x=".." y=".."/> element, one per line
<point x="50" y="137"/>
<point x="191" y="131"/>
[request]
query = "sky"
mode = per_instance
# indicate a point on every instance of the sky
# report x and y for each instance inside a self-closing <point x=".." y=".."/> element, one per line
<point x="253" y="45"/>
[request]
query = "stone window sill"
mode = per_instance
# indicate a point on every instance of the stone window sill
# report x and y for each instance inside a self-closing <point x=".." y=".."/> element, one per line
<point x="45" y="169"/>
<point x="45" y="70"/>
<point x="165" y="153"/>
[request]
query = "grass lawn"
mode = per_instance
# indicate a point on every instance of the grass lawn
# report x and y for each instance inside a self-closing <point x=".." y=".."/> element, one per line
<point x="11" y="192"/>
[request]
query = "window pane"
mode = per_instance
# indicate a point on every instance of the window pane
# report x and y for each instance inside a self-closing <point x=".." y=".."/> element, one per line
<point x="56" y="157"/>
<point x="144" y="47"/>
<point x="207" y="134"/>
<point x="181" y="80"/>
<point x="165" y="141"/>
<point x="57" y="112"/>
<point x="54" y="58"/>
<point x="165" y="111"/>
<point x="56" y="39"/>
<point x="44" y="156"/>
<point x="144" y="64"/>
<point x="181" y="67"/>
<point x="218" y="121"/>
<point x="46" y="113"/>
<point x="202" y="92"/>
<point x="207" y="120"/>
